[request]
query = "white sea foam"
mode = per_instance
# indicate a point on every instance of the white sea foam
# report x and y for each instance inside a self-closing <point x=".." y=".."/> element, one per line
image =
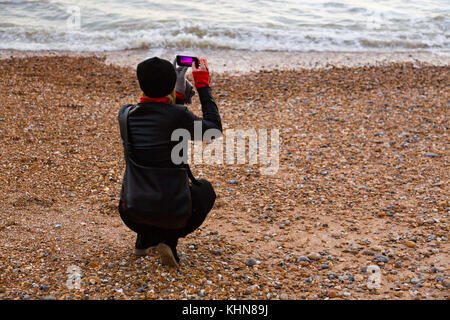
<point x="349" y="25"/>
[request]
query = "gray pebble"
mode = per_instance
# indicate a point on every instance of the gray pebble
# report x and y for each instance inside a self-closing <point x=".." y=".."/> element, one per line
<point x="140" y="290"/>
<point x="232" y="181"/>
<point x="50" y="298"/>
<point x="250" y="262"/>
<point x="432" y="155"/>
<point x="380" y="258"/>
<point x="348" y="277"/>
<point x="303" y="259"/>
<point x="435" y="270"/>
<point x="332" y="276"/>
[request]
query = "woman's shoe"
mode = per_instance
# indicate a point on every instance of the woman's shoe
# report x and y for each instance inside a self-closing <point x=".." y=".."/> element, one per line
<point x="142" y="247"/>
<point x="167" y="256"/>
<point x="142" y="252"/>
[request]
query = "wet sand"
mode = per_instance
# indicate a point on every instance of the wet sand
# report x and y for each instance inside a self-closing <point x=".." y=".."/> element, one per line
<point x="242" y="61"/>
<point x="363" y="180"/>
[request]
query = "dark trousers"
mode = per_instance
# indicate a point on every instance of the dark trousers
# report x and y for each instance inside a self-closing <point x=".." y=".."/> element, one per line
<point x="203" y="197"/>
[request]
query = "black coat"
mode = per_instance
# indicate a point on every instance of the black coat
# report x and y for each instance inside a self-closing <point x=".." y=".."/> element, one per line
<point x="150" y="128"/>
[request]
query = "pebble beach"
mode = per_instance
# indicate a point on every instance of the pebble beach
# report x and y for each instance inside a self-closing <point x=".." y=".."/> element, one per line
<point x="363" y="181"/>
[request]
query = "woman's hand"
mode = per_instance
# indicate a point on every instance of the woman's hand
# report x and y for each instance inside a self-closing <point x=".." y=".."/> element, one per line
<point x="202" y="65"/>
<point x="180" y="85"/>
<point x="183" y="87"/>
<point x="201" y="74"/>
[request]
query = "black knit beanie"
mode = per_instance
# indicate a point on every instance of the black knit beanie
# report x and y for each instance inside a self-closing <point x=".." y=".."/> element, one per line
<point x="157" y="77"/>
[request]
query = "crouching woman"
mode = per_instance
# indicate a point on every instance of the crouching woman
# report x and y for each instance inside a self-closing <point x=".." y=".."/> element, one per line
<point x="157" y="200"/>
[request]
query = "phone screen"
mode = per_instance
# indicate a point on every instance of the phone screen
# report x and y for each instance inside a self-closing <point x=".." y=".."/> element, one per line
<point x="186" y="61"/>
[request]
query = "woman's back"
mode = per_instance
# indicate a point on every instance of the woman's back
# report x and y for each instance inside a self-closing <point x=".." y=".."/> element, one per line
<point x="152" y="124"/>
<point x="150" y="130"/>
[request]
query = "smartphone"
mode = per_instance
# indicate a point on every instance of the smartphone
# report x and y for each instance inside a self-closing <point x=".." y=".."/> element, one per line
<point x="187" y="61"/>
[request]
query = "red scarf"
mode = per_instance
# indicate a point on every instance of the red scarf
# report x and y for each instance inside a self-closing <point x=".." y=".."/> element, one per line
<point x="147" y="99"/>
